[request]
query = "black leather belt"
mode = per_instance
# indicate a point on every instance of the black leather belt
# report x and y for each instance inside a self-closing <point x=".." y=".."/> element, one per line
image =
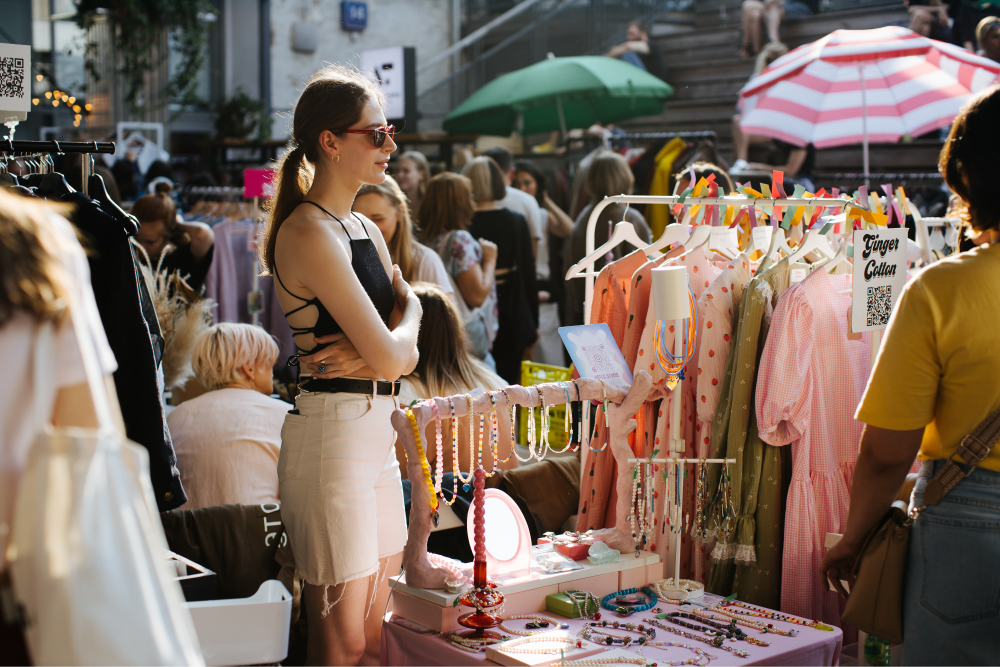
<point x="346" y="385"/>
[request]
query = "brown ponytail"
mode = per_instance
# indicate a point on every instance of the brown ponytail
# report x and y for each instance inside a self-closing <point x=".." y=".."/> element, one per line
<point x="333" y="99"/>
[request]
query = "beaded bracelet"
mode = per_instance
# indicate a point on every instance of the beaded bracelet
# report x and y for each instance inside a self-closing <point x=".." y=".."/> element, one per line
<point x="716" y="641"/>
<point x="605" y="601"/>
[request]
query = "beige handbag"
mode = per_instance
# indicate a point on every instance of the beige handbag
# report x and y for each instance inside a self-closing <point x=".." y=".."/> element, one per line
<point x="875" y="604"/>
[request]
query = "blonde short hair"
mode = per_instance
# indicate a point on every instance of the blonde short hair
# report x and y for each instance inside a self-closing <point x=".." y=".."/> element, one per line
<point x="222" y="350"/>
<point x="486" y="178"/>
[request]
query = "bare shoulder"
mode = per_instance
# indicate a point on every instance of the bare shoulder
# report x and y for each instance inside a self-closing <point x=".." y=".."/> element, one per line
<point x="304" y="234"/>
<point x="373" y="231"/>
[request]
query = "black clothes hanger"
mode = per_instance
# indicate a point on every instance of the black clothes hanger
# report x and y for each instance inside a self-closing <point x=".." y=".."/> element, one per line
<point x="99" y="193"/>
<point x="53" y="185"/>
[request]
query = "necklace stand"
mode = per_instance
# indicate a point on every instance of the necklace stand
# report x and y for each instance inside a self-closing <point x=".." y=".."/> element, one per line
<point x="483" y="595"/>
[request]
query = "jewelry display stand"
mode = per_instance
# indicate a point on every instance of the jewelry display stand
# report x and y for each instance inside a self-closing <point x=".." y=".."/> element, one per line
<point x="419" y="594"/>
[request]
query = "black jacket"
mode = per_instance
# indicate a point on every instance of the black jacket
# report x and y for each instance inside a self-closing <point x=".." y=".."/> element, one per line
<point x="115" y="279"/>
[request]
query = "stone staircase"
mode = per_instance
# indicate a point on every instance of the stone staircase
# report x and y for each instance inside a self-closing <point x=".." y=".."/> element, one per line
<point x="707" y="73"/>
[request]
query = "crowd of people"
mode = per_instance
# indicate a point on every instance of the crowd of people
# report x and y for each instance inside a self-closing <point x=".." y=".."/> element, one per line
<point x="399" y="285"/>
<point x="973" y="26"/>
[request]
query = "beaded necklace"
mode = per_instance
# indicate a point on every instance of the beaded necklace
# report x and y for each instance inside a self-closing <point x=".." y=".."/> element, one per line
<point x="629" y="609"/>
<point x="439" y="461"/>
<point x="454" y="450"/>
<point x="512" y="407"/>
<point x="761" y="627"/>
<point x="587" y="598"/>
<point x="470" y="644"/>
<point x="671" y="364"/>
<point x="610" y="638"/>
<point x="606" y="422"/>
<point x="494" y="435"/>
<point x="517" y="645"/>
<point x="543" y="415"/>
<point x="701" y="502"/>
<point x="424" y="466"/>
<point x="730" y="629"/>
<point x="472" y="442"/>
<point x="566" y="430"/>
<point x="541" y="623"/>
<point x="701" y="655"/>
<point x="751" y="610"/>
<point x="596" y="662"/>
<point x="641" y="528"/>
<point x="716" y="641"/>
<point x="532" y="434"/>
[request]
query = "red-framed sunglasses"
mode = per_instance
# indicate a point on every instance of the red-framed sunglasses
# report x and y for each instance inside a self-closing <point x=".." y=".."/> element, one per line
<point x="378" y="134"/>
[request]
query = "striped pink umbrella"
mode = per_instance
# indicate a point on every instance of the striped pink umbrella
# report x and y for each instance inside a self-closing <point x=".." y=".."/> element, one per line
<point x="862" y="85"/>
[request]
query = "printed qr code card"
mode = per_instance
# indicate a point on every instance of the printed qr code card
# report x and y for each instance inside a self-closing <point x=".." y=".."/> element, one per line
<point x="15" y="84"/>
<point x="595" y="353"/>
<point x="879" y="276"/>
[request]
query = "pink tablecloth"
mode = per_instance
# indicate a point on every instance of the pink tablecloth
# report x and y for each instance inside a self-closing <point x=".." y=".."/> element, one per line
<point x="402" y="646"/>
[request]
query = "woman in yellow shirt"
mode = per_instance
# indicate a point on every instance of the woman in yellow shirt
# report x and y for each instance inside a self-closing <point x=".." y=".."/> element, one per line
<point x="935" y="380"/>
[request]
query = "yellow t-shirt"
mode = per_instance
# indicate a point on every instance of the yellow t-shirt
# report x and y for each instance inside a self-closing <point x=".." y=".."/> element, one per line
<point x="939" y="364"/>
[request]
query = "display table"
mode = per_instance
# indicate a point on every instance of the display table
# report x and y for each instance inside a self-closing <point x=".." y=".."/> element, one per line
<point x="404" y="646"/>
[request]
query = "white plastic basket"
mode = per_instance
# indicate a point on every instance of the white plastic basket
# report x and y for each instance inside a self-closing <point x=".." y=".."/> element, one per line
<point x="245" y="631"/>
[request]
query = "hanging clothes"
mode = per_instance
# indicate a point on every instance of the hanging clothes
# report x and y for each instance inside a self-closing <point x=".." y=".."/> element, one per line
<point x="658" y="215"/>
<point x="115" y="279"/>
<point x="747" y="557"/>
<point x="610" y="306"/>
<point x="812" y="376"/>
<point x="701" y="273"/>
<point x="718" y="304"/>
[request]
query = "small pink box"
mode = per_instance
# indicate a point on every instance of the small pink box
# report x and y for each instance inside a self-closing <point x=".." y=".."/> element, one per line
<point x="574" y="551"/>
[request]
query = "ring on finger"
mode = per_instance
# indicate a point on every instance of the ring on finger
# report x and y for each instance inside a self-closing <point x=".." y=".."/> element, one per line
<point x="322" y="368"/>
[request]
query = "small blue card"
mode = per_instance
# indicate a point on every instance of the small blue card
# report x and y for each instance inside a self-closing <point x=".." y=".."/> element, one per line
<point x="595" y="353"/>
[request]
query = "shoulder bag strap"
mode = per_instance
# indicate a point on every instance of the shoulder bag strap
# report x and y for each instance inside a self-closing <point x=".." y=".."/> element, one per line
<point x="974" y="448"/>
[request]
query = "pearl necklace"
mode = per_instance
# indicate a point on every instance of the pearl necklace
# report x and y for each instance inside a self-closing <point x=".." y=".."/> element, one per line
<point x="708" y="657"/>
<point x="528" y="617"/>
<point x="606" y="661"/>
<point x="517" y="645"/>
<point x="471" y="644"/>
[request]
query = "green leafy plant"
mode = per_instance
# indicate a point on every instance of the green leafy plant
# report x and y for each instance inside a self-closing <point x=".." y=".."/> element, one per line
<point x="137" y="25"/>
<point x="241" y="116"/>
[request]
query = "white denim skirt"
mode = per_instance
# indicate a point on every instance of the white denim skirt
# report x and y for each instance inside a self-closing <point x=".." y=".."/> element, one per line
<point x="341" y="494"/>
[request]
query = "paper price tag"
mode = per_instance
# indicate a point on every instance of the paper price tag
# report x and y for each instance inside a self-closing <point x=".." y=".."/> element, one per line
<point x="879" y="276"/>
<point x="797" y="276"/>
<point x="762" y="237"/>
<point x="723" y="238"/>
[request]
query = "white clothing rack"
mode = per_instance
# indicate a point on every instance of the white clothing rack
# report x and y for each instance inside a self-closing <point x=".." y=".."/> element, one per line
<point x="587" y="271"/>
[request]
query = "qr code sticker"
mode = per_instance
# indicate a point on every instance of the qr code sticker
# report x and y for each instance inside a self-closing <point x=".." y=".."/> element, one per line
<point x="12" y="77"/>
<point x="879" y="305"/>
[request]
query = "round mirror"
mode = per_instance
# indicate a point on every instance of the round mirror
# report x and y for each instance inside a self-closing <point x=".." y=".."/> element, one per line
<point x="502" y="533"/>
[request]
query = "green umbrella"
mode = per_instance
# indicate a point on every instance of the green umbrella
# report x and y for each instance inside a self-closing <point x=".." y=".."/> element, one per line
<point x="560" y="94"/>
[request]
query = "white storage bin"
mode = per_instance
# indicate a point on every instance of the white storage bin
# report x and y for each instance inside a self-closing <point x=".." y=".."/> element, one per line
<point x="245" y="631"/>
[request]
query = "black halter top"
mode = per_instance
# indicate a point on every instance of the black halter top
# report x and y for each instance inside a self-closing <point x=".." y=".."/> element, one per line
<point x="368" y="268"/>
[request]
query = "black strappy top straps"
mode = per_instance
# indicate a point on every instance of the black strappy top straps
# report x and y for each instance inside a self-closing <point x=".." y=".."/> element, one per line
<point x="371" y="274"/>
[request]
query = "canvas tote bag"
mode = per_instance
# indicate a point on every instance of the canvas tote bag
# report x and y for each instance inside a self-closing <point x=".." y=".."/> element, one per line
<point x="86" y="554"/>
<point x="875" y="604"/>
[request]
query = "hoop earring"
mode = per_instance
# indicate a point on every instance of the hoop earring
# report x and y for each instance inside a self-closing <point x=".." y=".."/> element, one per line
<point x="338" y="158"/>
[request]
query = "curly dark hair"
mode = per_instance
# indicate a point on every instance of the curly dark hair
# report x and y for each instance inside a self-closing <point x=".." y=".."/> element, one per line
<point x="968" y="160"/>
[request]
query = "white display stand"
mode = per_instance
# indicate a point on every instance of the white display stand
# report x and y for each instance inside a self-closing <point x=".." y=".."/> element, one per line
<point x="245" y="631"/>
<point x="534" y="580"/>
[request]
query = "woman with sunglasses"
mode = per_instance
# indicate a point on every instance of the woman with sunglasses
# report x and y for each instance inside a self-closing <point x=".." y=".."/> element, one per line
<point x="355" y="323"/>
